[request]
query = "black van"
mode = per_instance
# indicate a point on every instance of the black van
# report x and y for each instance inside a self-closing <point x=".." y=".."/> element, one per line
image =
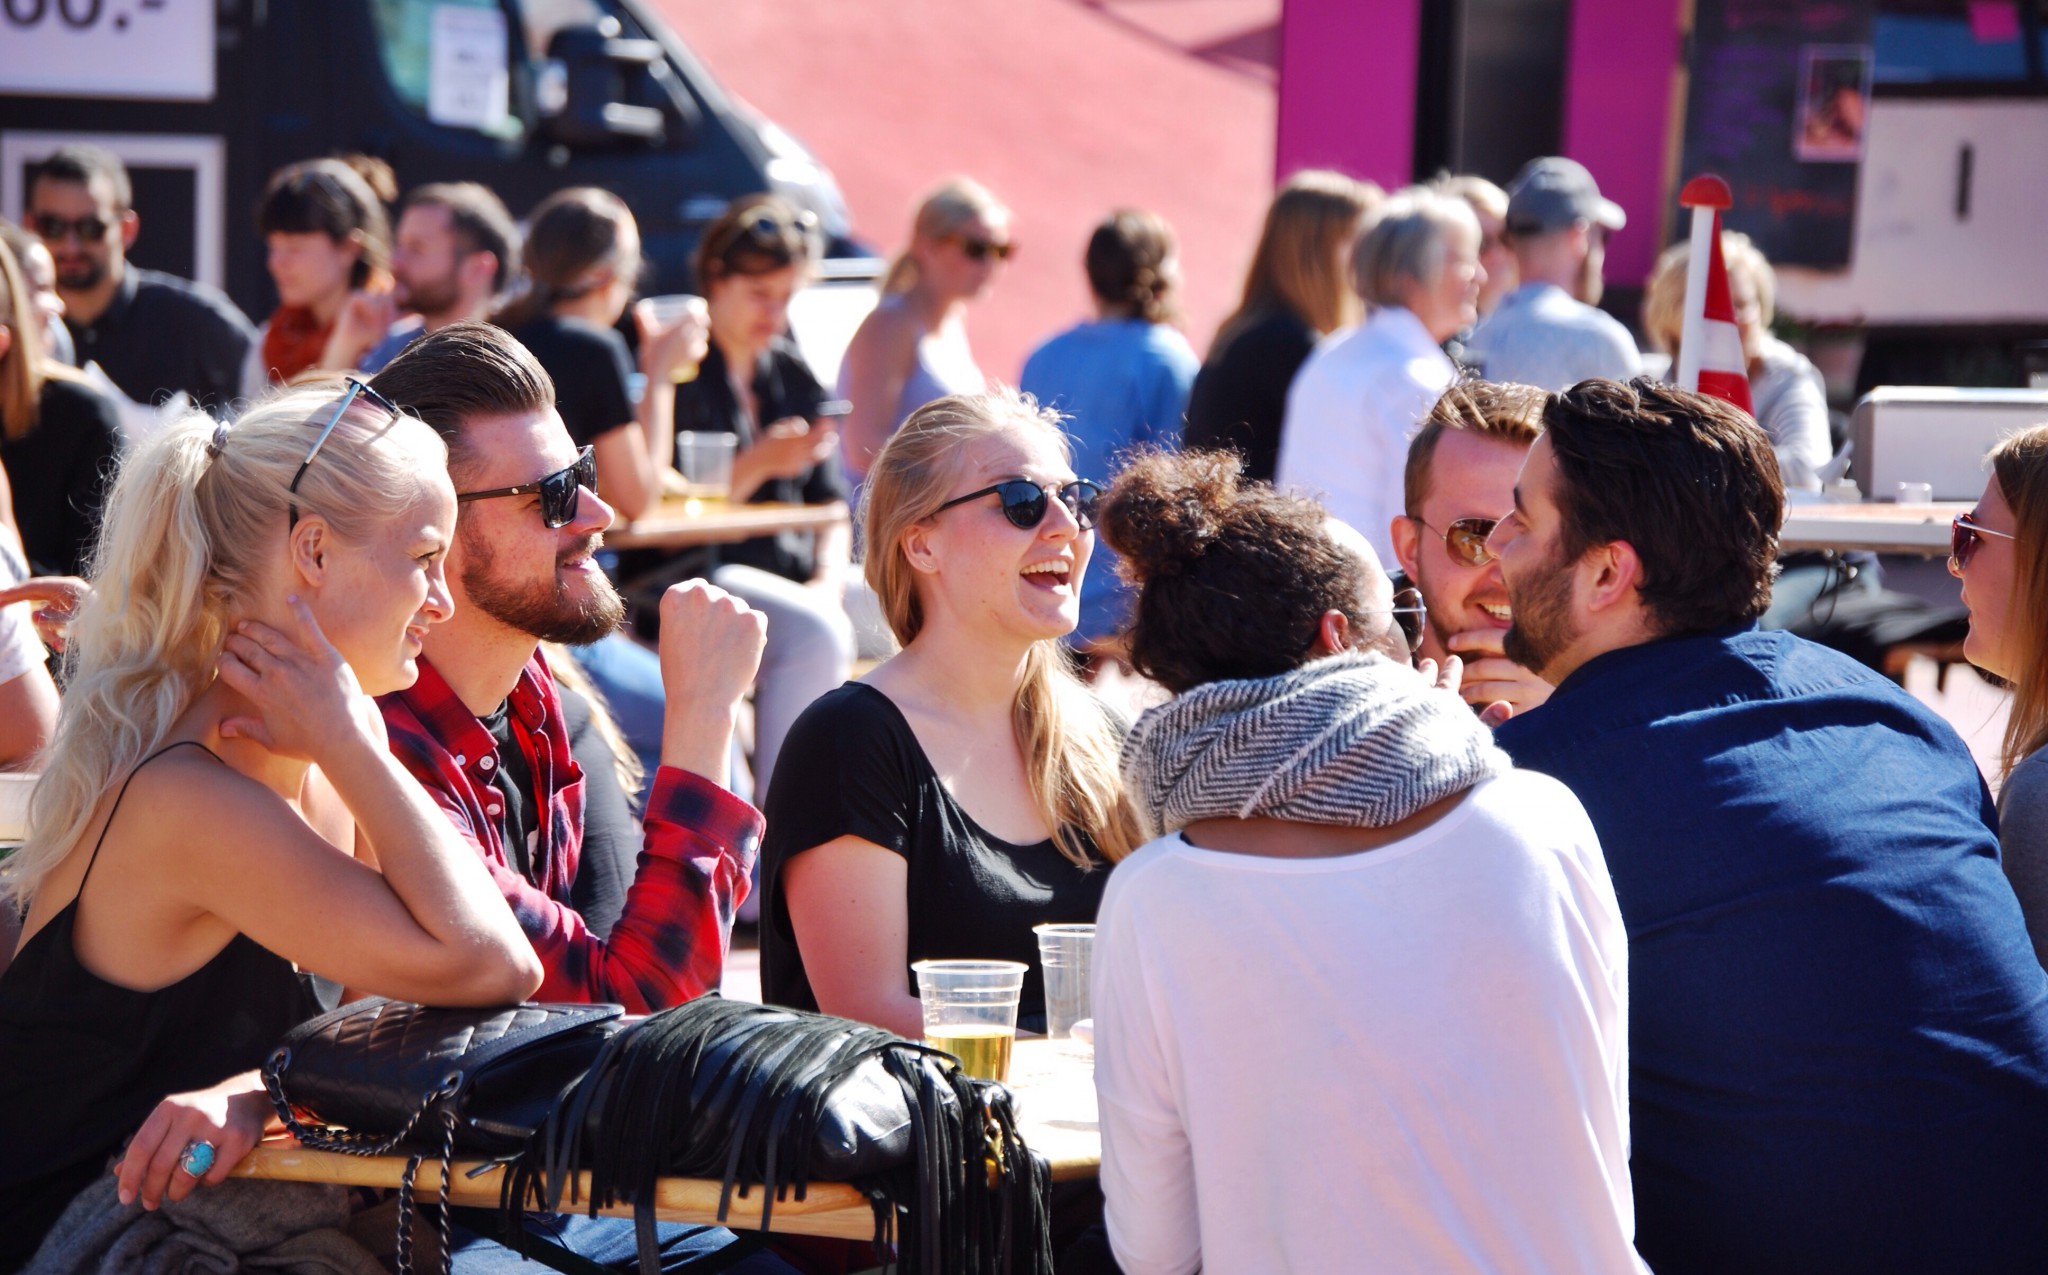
<point x="205" y="98"/>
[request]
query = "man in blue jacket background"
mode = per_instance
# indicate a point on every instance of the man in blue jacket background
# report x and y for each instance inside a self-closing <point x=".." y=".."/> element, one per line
<point x="1839" y="1031"/>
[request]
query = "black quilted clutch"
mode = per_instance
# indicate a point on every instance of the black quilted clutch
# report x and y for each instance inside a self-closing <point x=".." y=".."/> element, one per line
<point x="377" y="1074"/>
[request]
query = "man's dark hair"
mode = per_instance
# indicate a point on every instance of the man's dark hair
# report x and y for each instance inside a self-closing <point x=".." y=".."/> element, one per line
<point x="463" y="372"/>
<point x="479" y="220"/>
<point x="1233" y="576"/>
<point x="80" y="162"/>
<point x="1688" y="480"/>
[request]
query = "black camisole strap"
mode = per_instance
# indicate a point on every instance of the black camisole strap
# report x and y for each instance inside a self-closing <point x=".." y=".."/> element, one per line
<point x="80" y="892"/>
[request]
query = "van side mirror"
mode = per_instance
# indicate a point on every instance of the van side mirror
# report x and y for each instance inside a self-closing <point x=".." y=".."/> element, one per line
<point x="598" y="75"/>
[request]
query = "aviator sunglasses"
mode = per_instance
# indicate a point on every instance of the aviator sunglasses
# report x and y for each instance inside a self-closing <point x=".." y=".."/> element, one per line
<point x="1465" y="539"/>
<point x="1964" y="536"/>
<point x="560" y="492"/>
<point x="1025" y="502"/>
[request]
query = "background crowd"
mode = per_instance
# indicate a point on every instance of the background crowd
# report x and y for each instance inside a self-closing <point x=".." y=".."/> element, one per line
<point x="1497" y="884"/>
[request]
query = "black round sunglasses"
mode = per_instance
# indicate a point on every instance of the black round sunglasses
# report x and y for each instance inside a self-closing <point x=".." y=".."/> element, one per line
<point x="1025" y="502"/>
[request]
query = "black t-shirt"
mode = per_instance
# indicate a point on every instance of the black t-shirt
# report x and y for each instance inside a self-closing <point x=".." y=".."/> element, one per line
<point x="851" y="766"/>
<point x="612" y="835"/>
<point x="1239" y="398"/>
<point x="783" y="385"/>
<point x="592" y="371"/>
<point x="161" y="334"/>
<point x="514" y="781"/>
<point x="60" y="472"/>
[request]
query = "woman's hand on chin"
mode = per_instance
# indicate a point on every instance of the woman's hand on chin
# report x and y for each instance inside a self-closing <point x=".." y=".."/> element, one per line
<point x="229" y="1117"/>
<point x="305" y="696"/>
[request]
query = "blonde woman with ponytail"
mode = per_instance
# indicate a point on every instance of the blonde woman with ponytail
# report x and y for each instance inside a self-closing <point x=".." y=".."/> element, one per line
<point x="219" y="804"/>
<point x="912" y="347"/>
<point x="967" y="789"/>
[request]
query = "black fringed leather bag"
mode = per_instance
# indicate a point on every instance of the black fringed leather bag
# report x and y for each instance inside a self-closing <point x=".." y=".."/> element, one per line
<point x="756" y="1097"/>
<point x="774" y="1099"/>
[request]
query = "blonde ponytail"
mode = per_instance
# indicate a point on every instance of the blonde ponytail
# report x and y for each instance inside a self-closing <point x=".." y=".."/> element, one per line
<point x="194" y="522"/>
<point x="1069" y="740"/>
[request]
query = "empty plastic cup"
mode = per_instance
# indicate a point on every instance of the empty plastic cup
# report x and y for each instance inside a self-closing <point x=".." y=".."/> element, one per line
<point x="1067" y="954"/>
<point x="970" y="1011"/>
<point x="706" y="461"/>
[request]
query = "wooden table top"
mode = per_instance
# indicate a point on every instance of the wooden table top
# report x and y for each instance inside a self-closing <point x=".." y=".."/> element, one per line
<point x="1055" y="1095"/>
<point x="679" y="523"/>
<point x="1877" y="526"/>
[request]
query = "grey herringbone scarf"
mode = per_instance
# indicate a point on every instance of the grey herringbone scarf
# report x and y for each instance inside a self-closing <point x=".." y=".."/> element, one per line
<point x="1354" y="740"/>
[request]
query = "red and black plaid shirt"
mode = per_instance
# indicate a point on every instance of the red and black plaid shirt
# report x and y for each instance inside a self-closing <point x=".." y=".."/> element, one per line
<point x="669" y="944"/>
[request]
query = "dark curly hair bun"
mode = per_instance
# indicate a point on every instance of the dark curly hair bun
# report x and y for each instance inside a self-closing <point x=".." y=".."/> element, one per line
<point x="1234" y="577"/>
<point x="1166" y="509"/>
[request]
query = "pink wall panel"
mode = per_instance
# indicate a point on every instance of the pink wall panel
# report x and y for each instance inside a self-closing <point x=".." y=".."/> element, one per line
<point x="1347" y="75"/>
<point x="1617" y="112"/>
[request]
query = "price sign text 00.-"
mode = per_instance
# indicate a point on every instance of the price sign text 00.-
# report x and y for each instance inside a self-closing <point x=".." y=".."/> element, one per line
<point x="158" y="49"/>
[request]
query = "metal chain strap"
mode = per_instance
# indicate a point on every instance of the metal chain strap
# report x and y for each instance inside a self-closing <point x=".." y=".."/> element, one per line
<point x="349" y="1141"/>
<point x="402" y="1258"/>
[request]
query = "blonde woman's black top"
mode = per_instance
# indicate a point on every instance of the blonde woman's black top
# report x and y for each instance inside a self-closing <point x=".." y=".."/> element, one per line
<point x="852" y="766"/>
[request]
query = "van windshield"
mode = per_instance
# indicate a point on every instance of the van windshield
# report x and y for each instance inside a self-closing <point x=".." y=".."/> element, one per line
<point x="453" y="61"/>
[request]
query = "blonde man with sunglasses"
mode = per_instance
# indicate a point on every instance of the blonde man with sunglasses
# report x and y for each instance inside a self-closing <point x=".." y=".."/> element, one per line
<point x="1460" y="479"/>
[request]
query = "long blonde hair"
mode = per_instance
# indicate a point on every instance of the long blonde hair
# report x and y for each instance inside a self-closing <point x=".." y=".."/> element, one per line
<point x="951" y="205"/>
<point x="2020" y="464"/>
<point x="1298" y="267"/>
<point x="1069" y="741"/>
<point x="188" y="539"/>
<point x="23" y="368"/>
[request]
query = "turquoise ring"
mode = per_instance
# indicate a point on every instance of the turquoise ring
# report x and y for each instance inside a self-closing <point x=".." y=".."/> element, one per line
<point x="198" y="1158"/>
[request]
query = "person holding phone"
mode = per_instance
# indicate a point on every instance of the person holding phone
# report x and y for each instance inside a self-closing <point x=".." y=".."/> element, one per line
<point x="755" y="385"/>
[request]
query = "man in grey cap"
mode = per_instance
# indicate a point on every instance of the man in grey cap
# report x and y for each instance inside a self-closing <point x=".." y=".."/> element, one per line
<point x="1548" y="332"/>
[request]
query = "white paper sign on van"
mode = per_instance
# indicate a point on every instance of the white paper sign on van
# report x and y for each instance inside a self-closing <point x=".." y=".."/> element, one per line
<point x="468" y="85"/>
<point x="156" y="49"/>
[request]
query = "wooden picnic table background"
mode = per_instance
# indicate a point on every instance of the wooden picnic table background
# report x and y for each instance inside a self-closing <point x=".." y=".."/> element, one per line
<point x="678" y="523"/>
<point x="1054" y="1090"/>
<point x="1876" y="526"/>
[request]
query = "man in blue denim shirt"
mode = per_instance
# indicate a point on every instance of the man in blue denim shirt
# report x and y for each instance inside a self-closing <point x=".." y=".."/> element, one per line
<point x="1839" y="1032"/>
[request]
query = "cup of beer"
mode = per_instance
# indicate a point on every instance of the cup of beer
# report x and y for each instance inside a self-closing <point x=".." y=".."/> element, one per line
<point x="970" y="1011"/>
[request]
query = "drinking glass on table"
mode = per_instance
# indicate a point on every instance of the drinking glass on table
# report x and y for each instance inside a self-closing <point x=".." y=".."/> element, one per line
<point x="970" y="1011"/>
<point x="705" y="459"/>
<point x="1066" y="954"/>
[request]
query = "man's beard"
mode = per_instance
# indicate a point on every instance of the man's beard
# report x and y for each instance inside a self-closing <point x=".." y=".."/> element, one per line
<point x="431" y="296"/>
<point x="1542" y="627"/>
<point x="88" y="277"/>
<point x="547" y="611"/>
<point x="1592" y="277"/>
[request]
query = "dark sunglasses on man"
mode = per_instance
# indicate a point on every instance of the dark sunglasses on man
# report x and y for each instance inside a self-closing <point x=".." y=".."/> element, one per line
<point x="560" y="492"/>
<point x="1025" y="502"/>
<point x="88" y="228"/>
<point x="1964" y="535"/>
<point x="1465" y="539"/>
